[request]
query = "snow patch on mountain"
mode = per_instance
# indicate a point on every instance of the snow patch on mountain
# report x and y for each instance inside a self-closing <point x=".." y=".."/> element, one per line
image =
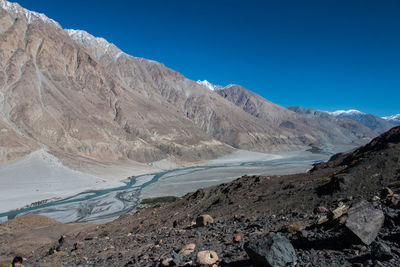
<point x="230" y="85"/>
<point x="30" y="16"/>
<point x="207" y="84"/>
<point x="395" y="118"/>
<point x="213" y="87"/>
<point x="99" y="45"/>
<point x="346" y="112"/>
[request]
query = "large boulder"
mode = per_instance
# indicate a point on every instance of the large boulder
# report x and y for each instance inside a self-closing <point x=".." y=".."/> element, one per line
<point x="275" y="250"/>
<point x="365" y="221"/>
<point x="206" y="258"/>
<point x="203" y="220"/>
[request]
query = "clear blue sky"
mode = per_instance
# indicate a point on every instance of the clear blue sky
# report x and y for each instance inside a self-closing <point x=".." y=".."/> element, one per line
<point x="324" y="54"/>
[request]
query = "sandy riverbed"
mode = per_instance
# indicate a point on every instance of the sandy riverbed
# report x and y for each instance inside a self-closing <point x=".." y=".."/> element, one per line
<point x="230" y="167"/>
<point x="40" y="176"/>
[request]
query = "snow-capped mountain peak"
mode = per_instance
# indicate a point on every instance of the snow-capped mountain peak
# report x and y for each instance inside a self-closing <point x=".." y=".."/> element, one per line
<point x="346" y="112"/>
<point x="30" y="16"/>
<point x="392" y="118"/>
<point x="207" y="84"/>
<point x="211" y="86"/>
<point x="100" y="45"/>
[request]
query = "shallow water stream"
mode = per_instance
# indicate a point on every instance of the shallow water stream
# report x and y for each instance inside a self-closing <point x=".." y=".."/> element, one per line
<point x="107" y="204"/>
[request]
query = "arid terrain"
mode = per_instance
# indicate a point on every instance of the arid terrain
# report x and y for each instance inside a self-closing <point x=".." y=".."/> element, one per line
<point x="312" y="217"/>
<point x="94" y="107"/>
<point x="77" y="115"/>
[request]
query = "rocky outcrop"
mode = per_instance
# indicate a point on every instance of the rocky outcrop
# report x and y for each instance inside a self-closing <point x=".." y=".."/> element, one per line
<point x="365" y="221"/>
<point x="274" y="250"/>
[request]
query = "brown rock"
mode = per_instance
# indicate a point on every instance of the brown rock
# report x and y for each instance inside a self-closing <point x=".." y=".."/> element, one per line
<point x="237" y="239"/>
<point x="376" y="198"/>
<point x="167" y="262"/>
<point x="339" y="211"/>
<point x="322" y="219"/>
<point x="204" y="220"/>
<point x="79" y="245"/>
<point x="206" y="258"/>
<point x="342" y="220"/>
<point x="295" y="227"/>
<point x="156" y="247"/>
<point x="321" y="209"/>
<point x="188" y="249"/>
<point x="365" y="221"/>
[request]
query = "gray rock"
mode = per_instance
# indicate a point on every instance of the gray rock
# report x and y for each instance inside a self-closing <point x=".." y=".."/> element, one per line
<point x="365" y="221"/>
<point x="273" y="250"/>
<point x="381" y="251"/>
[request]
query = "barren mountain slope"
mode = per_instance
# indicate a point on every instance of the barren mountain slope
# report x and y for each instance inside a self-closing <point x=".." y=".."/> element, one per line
<point x="92" y="100"/>
<point x="315" y="130"/>
<point x="376" y="124"/>
<point x="330" y="129"/>
<point x="82" y="97"/>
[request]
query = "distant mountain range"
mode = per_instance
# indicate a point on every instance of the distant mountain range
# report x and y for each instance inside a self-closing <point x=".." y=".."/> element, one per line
<point x="377" y="124"/>
<point x="394" y="119"/>
<point x="84" y="100"/>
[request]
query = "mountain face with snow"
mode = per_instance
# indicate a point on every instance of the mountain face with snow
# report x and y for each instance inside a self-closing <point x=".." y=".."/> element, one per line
<point x="373" y="122"/>
<point x="82" y="98"/>
<point x="394" y="119"/>
<point x="207" y="84"/>
<point x="310" y="129"/>
<point x="29" y="16"/>
<point x="350" y="112"/>
<point x="214" y="87"/>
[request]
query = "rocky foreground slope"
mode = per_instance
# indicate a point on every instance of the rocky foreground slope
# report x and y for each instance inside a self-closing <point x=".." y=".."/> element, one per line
<point x="345" y="212"/>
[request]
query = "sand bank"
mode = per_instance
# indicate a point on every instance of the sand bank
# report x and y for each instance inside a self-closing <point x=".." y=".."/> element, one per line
<point x="40" y="176"/>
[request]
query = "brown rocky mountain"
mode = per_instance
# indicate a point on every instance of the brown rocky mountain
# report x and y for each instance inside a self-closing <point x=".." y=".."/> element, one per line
<point x="379" y="125"/>
<point x="81" y="97"/>
<point x="311" y="126"/>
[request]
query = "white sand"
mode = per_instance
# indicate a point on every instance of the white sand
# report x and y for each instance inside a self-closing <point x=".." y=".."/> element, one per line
<point x="241" y="156"/>
<point x="40" y="176"/>
<point x="43" y="172"/>
<point x="164" y="164"/>
<point x="180" y="182"/>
